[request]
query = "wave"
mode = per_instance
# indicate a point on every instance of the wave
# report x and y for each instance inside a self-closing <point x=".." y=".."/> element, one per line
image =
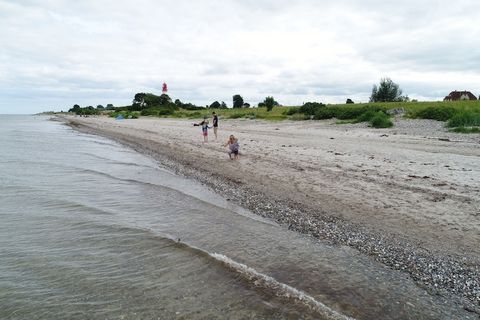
<point x="117" y="162"/>
<point x="251" y="276"/>
<point x="280" y="289"/>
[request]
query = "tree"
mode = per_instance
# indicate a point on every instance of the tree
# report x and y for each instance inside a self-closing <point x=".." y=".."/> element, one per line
<point x="138" y="102"/>
<point x="349" y="101"/>
<point x="215" y="105"/>
<point x="237" y="101"/>
<point x="165" y="99"/>
<point x="75" y="108"/>
<point x="246" y="105"/>
<point x="269" y="102"/>
<point x="100" y="107"/>
<point x="223" y="105"/>
<point x="387" y="91"/>
<point x="110" y="106"/>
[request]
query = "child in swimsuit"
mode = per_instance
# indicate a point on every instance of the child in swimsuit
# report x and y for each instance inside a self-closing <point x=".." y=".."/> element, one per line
<point x="233" y="147"/>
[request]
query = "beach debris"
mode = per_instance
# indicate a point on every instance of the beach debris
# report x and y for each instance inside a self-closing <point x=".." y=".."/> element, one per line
<point x="418" y="177"/>
<point x="438" y="198"/>
<point x="384" y="135"/>
<point x="441" y="184"/>
<point x="396" y="111"/>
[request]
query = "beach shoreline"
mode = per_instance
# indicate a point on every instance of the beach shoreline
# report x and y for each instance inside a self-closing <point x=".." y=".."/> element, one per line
<point x="407" y="197"/>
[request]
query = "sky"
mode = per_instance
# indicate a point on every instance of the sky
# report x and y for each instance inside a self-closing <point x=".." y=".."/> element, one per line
<point x="54" y="54"/>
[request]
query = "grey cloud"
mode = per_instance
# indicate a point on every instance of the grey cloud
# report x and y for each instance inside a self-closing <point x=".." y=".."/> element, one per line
<point x="209" y="50"/>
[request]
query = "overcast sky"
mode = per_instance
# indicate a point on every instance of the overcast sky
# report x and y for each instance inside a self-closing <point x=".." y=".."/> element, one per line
<point x="54" y="54"/>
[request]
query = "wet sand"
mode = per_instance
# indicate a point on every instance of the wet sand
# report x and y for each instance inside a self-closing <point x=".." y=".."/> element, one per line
<point x="408" y="196"/>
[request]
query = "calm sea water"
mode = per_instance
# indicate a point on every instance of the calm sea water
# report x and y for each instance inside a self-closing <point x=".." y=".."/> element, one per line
<point x="90" y="229"/>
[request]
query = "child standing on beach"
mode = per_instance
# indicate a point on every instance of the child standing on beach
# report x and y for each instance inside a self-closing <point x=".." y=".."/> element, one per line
<point x="233" y="147"/>
<point x="215" y="124"/>
<point x="205" y="127"/>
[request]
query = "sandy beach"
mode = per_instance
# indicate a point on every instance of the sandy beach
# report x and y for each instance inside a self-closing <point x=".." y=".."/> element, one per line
<point x="408" y="196"/>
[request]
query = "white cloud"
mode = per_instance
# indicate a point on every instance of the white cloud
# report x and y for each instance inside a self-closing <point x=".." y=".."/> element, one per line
<point x="58" y="53"/>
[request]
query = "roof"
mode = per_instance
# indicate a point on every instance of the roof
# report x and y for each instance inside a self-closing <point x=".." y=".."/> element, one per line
<point x="457" y="95"/>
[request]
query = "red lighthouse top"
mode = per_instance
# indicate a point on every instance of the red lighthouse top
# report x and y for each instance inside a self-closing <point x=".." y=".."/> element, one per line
<point x="164" y="88"/>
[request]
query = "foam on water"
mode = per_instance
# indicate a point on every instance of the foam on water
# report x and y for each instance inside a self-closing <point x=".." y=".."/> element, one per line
<point x="281" y="289"/>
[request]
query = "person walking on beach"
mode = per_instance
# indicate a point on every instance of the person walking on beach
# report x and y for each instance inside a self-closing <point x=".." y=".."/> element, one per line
<point x="205" y="127"/>
<point x="215" y="124"/>
<point x="233" y="147"/>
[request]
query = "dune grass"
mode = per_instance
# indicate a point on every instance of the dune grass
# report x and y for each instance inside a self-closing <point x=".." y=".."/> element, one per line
<point x="278" y="113"/>
<point x="456" y="114"/>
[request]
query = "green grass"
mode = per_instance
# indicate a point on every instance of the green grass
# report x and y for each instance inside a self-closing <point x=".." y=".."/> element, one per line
<point x="346" y="121"/>
<point x="125" y="114"/>
<point x="440" y="113"/>
<point x="349" y="112"/>
<point x="464" y="119"/>
<point x="456" y="114"/>
<point x="462" y="116"/>
<point x="466" y="130"/>
<point x="380" y="120"/>
<point x="277" y="113"/>
<point x="465" y="115"/>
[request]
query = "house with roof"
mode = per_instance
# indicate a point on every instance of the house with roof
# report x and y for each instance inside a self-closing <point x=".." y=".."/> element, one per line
<point x="460" y="95"/>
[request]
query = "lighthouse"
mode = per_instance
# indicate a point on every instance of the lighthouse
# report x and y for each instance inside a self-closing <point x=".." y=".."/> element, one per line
<point x="164" y="88"/>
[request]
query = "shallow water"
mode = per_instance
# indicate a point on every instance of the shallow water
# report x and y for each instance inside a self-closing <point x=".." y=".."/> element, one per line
<point x="91" y="229"/>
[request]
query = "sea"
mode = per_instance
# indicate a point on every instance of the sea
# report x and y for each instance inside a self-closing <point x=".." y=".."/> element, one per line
<point x="91" y="229"/>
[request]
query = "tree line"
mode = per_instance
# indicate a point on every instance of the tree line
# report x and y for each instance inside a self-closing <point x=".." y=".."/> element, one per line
<point x="152" y="104"/>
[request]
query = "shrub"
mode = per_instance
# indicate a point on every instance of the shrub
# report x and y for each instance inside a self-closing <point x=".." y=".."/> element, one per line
<point x="324" y="113"/>
<point x="290" y="111"/>
<point x="165" y="112"/>
<point x="381" y="120"/>
<point x="299" y="117"/>
<point x="464" y="119"/>
<point x="466" y="130"/>
<point x="195" y="114"/>
<point x="366" y="116"/>
<point x="348" y="112"/>
<point x="125" y="114"/>
<point x="236" y="115"/>
<point x="149" y="112"/>
<point x="435" y="113"/>
<point x="311" y="108"/>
